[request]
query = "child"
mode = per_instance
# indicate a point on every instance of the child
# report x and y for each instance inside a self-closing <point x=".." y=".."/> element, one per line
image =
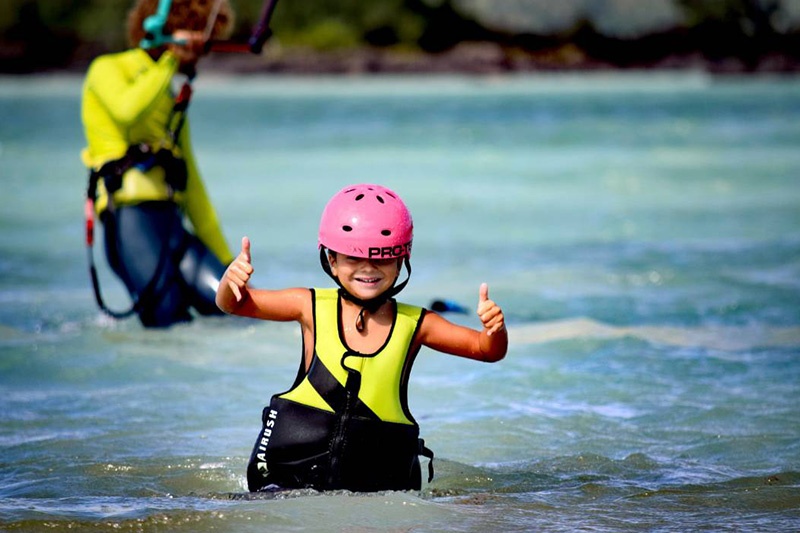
<point x="345" y="423"/>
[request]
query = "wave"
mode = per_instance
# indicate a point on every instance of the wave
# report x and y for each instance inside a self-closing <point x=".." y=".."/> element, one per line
<point x="725" y="338"/>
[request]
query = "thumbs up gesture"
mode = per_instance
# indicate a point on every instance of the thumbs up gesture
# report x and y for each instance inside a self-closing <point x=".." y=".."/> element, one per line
<point x="239" y="271"/>
<point x="489" y="312"/>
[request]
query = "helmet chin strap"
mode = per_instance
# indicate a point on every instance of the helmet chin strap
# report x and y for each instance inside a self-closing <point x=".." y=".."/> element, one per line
<point x="371" y="305"/>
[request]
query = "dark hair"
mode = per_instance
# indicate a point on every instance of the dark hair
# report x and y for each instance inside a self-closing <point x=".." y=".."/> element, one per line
<point x="184" y="15"/>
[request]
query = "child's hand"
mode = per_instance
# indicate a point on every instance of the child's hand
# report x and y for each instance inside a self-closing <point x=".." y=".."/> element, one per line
<point x="238" y="273"/>
<point x="489" y="312"/>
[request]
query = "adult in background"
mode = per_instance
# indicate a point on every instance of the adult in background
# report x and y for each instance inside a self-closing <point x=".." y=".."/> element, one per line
<point x="144" y="181"/>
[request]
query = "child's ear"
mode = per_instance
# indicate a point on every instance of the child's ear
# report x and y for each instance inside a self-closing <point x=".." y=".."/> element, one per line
<point x="332" y="261"/>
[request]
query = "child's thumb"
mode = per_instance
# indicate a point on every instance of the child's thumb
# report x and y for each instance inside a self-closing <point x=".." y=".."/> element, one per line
<point x="483" y="293"/>
<point x="246" y="248"/>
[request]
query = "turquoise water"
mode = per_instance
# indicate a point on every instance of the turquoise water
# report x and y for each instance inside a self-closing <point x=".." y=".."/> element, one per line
<point x="642" y="232"/>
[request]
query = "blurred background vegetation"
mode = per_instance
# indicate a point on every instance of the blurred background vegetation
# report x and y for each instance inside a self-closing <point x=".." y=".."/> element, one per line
<point x="734" y="34"/>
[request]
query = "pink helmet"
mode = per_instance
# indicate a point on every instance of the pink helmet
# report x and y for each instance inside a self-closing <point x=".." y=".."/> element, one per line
<point x="368" y="221"/>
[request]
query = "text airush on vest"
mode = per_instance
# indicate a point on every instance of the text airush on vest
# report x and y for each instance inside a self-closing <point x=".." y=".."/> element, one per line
<point x="269" y="423"/>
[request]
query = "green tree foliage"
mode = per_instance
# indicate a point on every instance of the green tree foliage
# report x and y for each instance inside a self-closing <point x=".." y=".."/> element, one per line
<point x="326" y="24"/>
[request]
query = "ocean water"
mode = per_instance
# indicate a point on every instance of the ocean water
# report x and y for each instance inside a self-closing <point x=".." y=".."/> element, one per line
<point x="641" y="231"/>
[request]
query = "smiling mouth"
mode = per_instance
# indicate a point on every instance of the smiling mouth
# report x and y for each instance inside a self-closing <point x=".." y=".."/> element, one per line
<point x="370" y="281"/>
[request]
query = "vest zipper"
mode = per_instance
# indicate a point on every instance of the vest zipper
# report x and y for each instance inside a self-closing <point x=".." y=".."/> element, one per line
<point x="339" y="440"/>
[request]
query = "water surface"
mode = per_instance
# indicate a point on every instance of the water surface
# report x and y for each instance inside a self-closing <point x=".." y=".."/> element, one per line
<point x="642" y="233"/>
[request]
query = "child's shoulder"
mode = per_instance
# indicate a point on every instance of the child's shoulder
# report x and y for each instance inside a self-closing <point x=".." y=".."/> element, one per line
<point x="412" y="311"/>
<point x="325" y="293"/>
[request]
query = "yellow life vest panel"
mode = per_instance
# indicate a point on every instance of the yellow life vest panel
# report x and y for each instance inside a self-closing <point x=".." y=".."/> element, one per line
<point x="383" y="375"/>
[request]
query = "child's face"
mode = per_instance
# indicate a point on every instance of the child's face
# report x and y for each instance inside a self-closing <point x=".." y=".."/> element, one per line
<point x="365" y="278"/>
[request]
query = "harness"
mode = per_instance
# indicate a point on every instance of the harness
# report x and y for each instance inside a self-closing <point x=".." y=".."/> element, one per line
<point x="143" y="157"/>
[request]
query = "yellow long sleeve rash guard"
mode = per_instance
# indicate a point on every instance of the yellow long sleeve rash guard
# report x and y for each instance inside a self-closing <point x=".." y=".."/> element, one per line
<point x="127" y="100"/>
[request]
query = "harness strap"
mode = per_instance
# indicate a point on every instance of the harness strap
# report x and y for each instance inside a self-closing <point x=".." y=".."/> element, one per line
<point x="178" y="114"/>
<point x="89" y="214"/>
<point x="426" y="452"/>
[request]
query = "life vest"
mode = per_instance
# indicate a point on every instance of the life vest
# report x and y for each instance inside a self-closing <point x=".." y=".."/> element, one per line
<point x="345" y="423"/>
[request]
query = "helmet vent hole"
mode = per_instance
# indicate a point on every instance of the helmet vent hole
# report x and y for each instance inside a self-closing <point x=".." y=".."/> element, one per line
<point x="347" y="228"/>
<point x="386" y="232"/>
<point x="380" y="199"/>
<point x="359" y="197"/>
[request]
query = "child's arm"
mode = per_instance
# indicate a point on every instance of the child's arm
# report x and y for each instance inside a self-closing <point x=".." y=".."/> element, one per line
<point x="234" y="296"/>
<point x="488" y="345"/>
